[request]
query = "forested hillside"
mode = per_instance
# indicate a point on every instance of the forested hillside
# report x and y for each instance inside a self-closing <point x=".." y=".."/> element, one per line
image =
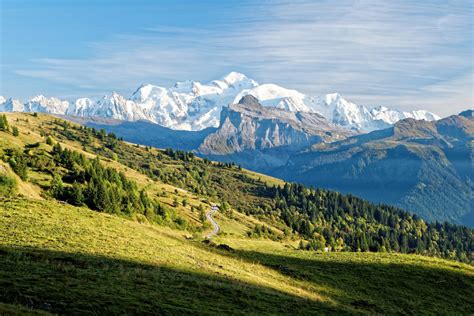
<point x="323" y="220"/>
<point x="423" y="167"/>
<point x="91" y="223"/>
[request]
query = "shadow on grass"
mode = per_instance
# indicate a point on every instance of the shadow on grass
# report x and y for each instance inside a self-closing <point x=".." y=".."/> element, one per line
<point x="72" y="283"/>
<point x="376" y="287"/>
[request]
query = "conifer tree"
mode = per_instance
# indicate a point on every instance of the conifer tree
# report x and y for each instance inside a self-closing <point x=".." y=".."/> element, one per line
<point x="3" y="123"/>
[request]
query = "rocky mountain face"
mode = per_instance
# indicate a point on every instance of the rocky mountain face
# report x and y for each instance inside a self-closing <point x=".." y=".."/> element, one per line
<point x="425" y="167"/>
<point x="248" y="125"/>
<point x="262" y="138"/>
<point x="194" y="106"/>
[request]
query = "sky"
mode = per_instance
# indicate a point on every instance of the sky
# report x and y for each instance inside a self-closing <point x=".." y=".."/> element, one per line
<point x="403" y="54"/>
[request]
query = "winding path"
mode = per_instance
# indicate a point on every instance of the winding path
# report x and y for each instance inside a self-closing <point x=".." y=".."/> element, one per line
<point x="215" y="226"/>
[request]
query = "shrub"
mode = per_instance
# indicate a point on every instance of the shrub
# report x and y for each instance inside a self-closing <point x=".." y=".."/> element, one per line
<point x="3" y="123"/>
<point x="8" y="185"/>
<point x="49" y="141"/>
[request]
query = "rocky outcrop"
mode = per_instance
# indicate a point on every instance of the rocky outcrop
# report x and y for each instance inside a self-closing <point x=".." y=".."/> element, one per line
<point x="250" y="126"/>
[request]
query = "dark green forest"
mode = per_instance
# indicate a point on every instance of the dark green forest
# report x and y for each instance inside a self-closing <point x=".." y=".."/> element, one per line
<point x="345" y="222"/>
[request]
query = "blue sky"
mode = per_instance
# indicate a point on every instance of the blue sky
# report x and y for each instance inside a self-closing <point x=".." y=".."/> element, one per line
<point x="404" y="54"/>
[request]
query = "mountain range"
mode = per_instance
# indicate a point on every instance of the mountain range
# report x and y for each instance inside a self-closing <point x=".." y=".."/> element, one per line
<point x="414" y="160"/>
<point x="425" y="167"/>
<point x="191" y="105"/>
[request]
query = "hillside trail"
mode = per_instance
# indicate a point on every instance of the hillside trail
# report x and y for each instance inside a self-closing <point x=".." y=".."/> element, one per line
<point x="215" y="226"/>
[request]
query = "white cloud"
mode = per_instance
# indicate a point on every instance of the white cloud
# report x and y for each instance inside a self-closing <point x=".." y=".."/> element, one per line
<point x="399" y="53"/>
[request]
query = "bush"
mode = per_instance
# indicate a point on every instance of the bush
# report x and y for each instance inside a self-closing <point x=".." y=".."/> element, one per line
<point x="7" y="185"/>
<point x="18" y="164"/>
<point x="49" y="141"/>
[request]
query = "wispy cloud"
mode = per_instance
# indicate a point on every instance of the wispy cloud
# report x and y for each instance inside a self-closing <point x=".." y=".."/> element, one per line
<point x="401" y="53"/>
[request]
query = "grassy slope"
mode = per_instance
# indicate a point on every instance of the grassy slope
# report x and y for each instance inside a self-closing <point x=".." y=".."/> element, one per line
<point x="30" y="133"/>
<point x="60" y="258"/>
<point x="66" y="259"/>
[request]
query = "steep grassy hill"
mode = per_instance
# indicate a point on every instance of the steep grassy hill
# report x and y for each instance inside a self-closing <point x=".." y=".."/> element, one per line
<point x="93" y="224"/>
<point x="65" y="259"/>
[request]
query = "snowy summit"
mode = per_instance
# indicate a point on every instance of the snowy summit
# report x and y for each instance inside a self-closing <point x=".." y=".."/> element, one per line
<point x="191" y="105"/>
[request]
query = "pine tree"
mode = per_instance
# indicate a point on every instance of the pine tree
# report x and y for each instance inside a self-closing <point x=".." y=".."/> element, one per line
<point x="3" y="123"/>
<point x="364" y="245"/>
<point x="202" y="215"/>
<point x="75" y="195"/>
<point x="57" y="187"/>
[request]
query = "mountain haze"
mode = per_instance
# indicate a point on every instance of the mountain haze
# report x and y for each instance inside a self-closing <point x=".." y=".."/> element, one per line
<point x="426" y="167"/>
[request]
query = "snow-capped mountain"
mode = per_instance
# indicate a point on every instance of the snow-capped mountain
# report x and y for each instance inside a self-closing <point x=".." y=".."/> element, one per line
<point x="10" y="105"/>
<point x="191" y="105"/>
<point x="41" y="103"/>
<point x="390" y="116"/>
<point x="335" y="108"/>
<point x="188" y="105"/>
<point x="113" y="106"/>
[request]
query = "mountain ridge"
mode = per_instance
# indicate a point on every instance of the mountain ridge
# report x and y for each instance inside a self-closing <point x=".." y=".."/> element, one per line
<point x="426" y="167"/>
<point x="270" y="134"/>
<point x="191" y="105"/>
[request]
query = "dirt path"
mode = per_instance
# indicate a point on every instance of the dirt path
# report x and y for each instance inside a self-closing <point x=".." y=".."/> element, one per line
<point x="215" y="226"/>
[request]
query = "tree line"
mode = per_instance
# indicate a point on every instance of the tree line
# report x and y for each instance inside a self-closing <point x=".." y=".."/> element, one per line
<point x="328" y="219"/>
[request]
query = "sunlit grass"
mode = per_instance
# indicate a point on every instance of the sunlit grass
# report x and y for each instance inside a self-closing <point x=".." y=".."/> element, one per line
<point x="89" y="257"/>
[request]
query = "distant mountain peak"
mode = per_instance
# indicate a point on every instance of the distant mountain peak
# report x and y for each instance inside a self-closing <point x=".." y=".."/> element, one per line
<point x="41" y="103"/>
<point x="247" y="125"/>
<point x="10" y="105"/>
<point x="332" y="97"/>
<point x="233" y="76"/>
<point x="468" y="113"/>
<point x="143" y="86"/>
